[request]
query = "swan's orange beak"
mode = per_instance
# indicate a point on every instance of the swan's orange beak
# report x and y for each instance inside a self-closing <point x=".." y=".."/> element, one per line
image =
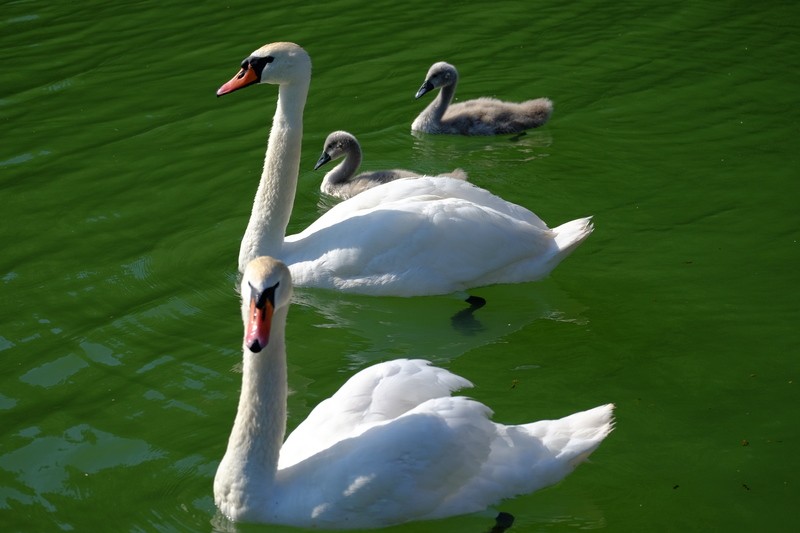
<point x="260" y="319"/>
<point x="246" y="76"/>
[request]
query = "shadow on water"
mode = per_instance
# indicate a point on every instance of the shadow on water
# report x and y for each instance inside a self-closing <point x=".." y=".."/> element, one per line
<point x="503" y="521"/>
<point x="438" y="328"/>
<point x="465" y="320"/>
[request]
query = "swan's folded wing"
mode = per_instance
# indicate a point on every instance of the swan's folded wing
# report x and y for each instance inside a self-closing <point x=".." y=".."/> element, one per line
<point x="373" y="396"/>
<point x="401" y="470"/>
<point x="445" y="235"/>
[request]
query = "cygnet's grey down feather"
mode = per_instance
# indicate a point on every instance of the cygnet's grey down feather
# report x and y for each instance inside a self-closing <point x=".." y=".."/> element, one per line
<point x="342" y="182"/>
<point x="481" y="116"/>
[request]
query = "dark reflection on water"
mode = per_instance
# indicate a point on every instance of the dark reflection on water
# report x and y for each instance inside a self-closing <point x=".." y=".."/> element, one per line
<point x="465" y="320"/>
<point x="437" y="328"/>
<point x="503" y="522"/>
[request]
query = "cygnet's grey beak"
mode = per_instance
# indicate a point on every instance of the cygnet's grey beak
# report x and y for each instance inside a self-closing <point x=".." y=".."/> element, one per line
<point x="324" y="158"/>
<point x="427" y="86"/>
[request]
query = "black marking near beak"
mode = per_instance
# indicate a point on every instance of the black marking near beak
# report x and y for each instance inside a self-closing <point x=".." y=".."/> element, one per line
<point x="268" y="295"/>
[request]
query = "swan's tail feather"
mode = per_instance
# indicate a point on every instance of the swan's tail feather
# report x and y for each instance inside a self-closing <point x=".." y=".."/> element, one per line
<point x="457" y="173"/>
<point x="587" y="430"/>
<point x="538" y="111"/>
<point x="529" y="457"/>
<point x="570" y="440"/>
<point x="570" y="234"/>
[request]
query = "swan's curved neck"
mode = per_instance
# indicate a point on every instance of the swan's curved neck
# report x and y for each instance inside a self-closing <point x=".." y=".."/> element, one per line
<point x="346" y="169"/>
<point x="437" y="108"/>
<point x="254" y="446"/>
<point x="272" y="206"/>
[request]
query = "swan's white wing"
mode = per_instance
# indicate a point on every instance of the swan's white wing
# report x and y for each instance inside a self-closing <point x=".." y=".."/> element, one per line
<point x="422" y="236"/>
<point x="376" y="394"/>
<point x="400" y="470"/>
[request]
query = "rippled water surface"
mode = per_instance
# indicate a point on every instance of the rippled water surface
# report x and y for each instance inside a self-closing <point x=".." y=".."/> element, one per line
<point x="126" y="186"/>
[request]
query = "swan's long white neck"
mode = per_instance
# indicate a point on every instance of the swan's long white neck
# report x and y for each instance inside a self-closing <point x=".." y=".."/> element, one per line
<point x="274" y="199"/>
<point x="250" y="463"/>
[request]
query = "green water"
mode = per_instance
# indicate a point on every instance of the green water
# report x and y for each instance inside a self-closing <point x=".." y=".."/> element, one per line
<point x="126" y="186"/>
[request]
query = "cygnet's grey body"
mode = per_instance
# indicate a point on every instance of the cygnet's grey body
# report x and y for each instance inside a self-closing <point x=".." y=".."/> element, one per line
<point x="481" y="116"/>
<point x="342" y="182"/>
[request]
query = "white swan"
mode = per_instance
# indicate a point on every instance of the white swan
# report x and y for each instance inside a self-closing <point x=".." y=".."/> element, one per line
<point x="403" y="238"/>
<point x="342" y="181"/>
<point x="481" y="116"/>
<point x="390" y="446"/>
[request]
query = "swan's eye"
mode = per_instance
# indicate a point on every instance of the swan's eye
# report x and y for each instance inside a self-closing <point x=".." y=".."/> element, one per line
<point x="267" y="295"/>
<point x="258" y="63"/>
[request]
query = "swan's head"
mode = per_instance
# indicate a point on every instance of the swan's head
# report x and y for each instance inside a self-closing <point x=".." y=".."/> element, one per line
<point x="266" y="288"/>
<point x="440" y="74"/>
<point x="338" y="144"/>
<point x="276" y="63"/>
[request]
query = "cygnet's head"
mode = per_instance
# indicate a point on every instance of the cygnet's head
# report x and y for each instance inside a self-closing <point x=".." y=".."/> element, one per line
<point x="440" y="74"/>
<point x="337" y="144"/>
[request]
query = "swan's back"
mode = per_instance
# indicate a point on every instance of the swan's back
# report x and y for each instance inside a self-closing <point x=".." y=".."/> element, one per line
<point x="425" y="193"/>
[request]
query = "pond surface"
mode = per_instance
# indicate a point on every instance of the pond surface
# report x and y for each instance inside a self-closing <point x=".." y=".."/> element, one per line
<point x="126" y="186"/>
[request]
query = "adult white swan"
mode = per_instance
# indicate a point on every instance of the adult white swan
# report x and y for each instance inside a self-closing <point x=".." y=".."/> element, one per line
<point x="407" y="237"/>
<point x="481" y="116"/>
<point x="342" y="181"/>
<point x="390" y="446"/>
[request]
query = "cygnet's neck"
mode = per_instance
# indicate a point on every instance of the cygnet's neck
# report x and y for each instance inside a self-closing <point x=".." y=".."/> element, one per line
<point x="437" y="108"/>
<point x="347" y="168"/>
<point x="272" y="206"/>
